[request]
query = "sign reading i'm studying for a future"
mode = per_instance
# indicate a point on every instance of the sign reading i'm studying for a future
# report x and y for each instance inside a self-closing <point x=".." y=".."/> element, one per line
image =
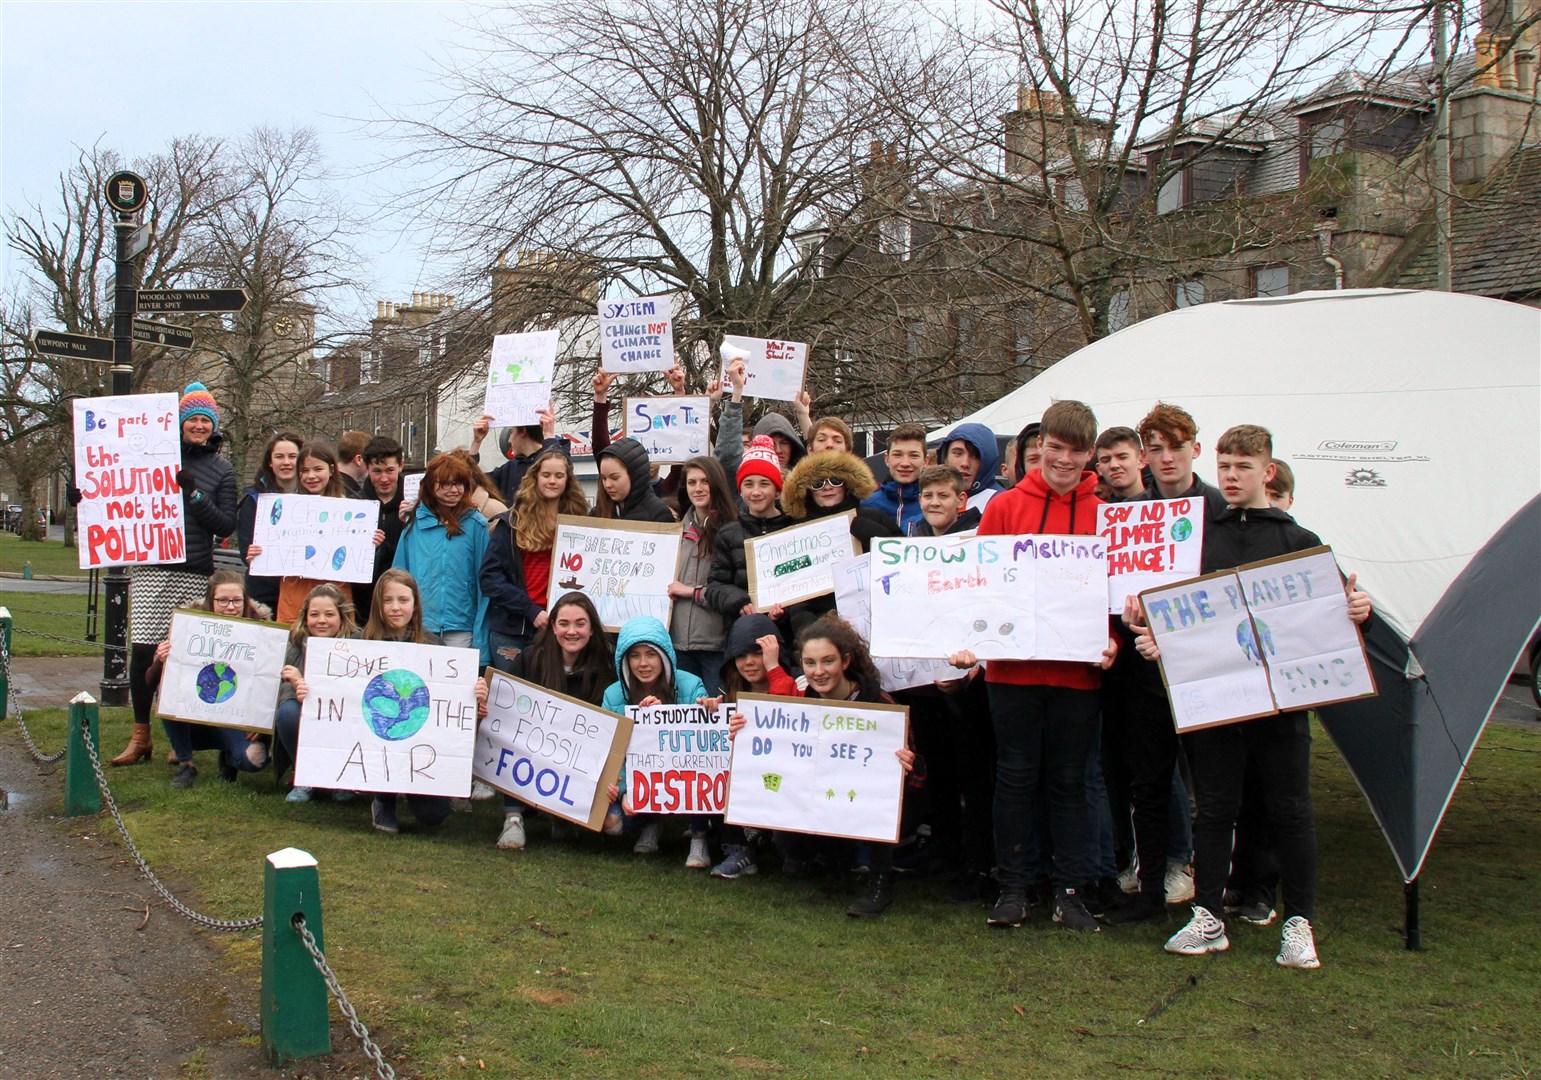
<point x="312" y="536"/>
<point x="549" y="750"/>
<point x="670" y="428"/>
<point x="1267" y="637"/>
<point x="222" y="671"/>
<point x="519" y="377"/>
<point x="388" y="716"/>
<point x="1002" y="597"/>
<point x="1151" y="544"/>
<point x="677" y="760"/>
<point x="813" y="766"/>
<point x="624" y="567"/>
<point x="636" y="334"/>
<point x="127" y="453"/>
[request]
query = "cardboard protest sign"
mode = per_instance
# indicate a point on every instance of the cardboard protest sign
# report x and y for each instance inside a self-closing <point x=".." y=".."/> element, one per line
<point x="1151" y="544"/>
<point x="772" y="369"/>
<point x="1268" y="637"/>
<point x="813" y="766"/>
<point x="222" y="671"/>
<point x="853" y="599"/>
<point x="388" y="716"/>
<point x="519" y="377"/>
<point x="549" y="750"/>
<point x="624" y="567"/>
<point x="411" y="486"/>
<point x="677" y="760"/>
<point x="312" y="536"/>
<point x="636" y="335"/>
<point x="794" y="564"/>
<point x="1004" y="597"/>
<point x="670" y="428"/>
<point x="128" y="450"/>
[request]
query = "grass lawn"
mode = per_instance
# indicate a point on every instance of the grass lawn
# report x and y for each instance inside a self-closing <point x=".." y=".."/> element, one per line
<point x="586" y="960"/>
<point x="60" y="615"/>
<point x="46" y="556"/>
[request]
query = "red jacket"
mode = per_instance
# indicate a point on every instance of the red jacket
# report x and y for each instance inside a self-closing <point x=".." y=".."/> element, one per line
<point x="1033" y="507"/>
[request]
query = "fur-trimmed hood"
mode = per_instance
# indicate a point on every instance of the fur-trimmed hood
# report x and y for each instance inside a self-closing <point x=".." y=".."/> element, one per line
<point x="796" y="490"/>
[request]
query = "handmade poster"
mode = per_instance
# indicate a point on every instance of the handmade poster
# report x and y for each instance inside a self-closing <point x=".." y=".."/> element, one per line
<point x="1268" y="637"/>
<point x="128" y="450"/>
<point x="795" y="564"/>
<point x="853" y="599"/>
<point x="411" y="486"/>
<point x="677" y="760"/>
<point x="519" y="377"/>
<point x="387" y="716"/>
<point x="222" y="671"/>
<point x="670" y="428"/>
<point x="1004" y="597"/>
<point x="772" y="369"/>
<point x="636" y="335"/>
<point x="1151" y="544"/>
<point x="624" y="567"/>
<point x="312" y="536"/>
<point x="549" y="750"/>
<point x="813" y="766"/>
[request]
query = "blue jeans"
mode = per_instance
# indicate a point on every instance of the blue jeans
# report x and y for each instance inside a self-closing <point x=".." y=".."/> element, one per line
<point x="185" y="738"/>
<point x="505" y="647"/>
<point x="286" y="737"/>
<point x="1179" y="833"/>
<point x="1043" y="739"/>
<point x="706" y="665"/>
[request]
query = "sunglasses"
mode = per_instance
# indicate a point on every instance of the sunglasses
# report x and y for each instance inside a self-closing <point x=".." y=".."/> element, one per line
<point x="828" y="482"/>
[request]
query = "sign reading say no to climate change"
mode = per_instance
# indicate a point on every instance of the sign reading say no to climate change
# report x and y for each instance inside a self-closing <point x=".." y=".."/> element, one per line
<point x="127" y="453"/>
<point x="1150" y="544"/>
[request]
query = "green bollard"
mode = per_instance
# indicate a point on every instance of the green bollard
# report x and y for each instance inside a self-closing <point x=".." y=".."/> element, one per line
<point x="5" y="668"/>
<point x="82" y="794"/>
<point x="295" y="1023"/>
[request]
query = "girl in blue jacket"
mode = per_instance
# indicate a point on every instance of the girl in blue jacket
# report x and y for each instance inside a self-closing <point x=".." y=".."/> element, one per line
<point x="442" y="547"/>
<point x="649" y="674"/>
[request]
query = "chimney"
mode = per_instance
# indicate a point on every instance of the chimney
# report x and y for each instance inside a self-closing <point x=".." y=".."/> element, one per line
<point x="379" y="309"/>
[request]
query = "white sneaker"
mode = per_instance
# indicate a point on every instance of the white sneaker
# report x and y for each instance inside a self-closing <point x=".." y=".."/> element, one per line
<point x="1179" y="883"/>
<point x="647" y="843"/>
<point x="460" y="806"/>
<point x="1129" y="876"/>
<point x="699" y="858"/>
<point x="480" y="790"/>
<point x="1298" y="949"/>
<point x="1203" y="934"/>
<point x="512" y="836"/>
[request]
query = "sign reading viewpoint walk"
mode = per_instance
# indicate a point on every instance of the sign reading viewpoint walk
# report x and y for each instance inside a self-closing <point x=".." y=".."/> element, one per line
<point x="812" y="766"/>
<point x="795" y="564"/>
<point x="387" y="716"/>
<point x="1268" y="637"/>
<point x="624" y="567"/>
<point x="772" y="369"/>
<point x="1151" y="544"/>
<point x="677" y="760"/>
<point x="549" y="750"/>
<point x="222" y="671"/>
<point x="670" y="428"/>
<point x="1003" y="597"/>
<point x="316" y="537"/>
<point x="636" y="335"/>
<point x="519" y="377"/>
<point x="128" y="450"/>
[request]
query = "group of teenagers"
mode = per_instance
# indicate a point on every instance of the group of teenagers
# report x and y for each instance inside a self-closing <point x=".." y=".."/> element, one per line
<point x="1039" y="782"/>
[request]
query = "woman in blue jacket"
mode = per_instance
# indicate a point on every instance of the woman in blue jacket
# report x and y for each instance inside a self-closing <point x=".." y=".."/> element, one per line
<point x="442" y="547"/>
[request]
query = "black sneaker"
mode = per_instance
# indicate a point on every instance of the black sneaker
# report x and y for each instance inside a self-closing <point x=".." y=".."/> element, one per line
<point x="185" y="776"/>
<point x="382" y="815"/>
<point x="1132" y="909"/>
<point x="1009" y="911"/>
<point x="876" y="897"/>
<point x="1100" y="896"/>
<point x="227" y="770"/>
<point x="1070" y="912"/>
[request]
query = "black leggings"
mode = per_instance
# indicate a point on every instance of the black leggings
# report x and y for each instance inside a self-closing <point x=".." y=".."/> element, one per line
<point x="140" y="659"/>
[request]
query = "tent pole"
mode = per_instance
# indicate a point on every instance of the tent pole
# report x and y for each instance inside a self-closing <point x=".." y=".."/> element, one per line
<point x="1410" y="927"/>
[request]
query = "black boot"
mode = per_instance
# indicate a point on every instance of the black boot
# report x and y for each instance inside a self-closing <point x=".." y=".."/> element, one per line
<point x="877" y="895"/>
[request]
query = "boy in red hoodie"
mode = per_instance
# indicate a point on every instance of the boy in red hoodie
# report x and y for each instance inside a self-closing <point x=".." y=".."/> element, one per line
<point x="1045" y="711"/>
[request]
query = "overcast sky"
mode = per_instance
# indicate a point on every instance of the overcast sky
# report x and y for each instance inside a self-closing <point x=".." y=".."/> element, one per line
<point x="136" y="75"/>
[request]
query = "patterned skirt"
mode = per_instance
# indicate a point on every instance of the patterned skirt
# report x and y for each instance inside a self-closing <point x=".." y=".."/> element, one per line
<point x="154" y="593"/>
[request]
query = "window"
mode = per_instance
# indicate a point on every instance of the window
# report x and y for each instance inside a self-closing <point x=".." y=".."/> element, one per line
<point x="1022" y="339"/>
<point x="810" y="249"/>
<point x="1170" y="197"/>
<point x="1329" y="138"/>
<point x="1188" y="293"/>
<point x="965" y="335"/>
<point x="894" y="237"/>
<point x="369" y="366"/>
<point x="1271" y="281"/>
<point x="915" y="338"/>
<point x="1118" y="311"/>
<point x="1073" y="195"/>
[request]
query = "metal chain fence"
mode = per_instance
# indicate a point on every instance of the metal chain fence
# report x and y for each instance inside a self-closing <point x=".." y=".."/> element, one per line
<point x="14" y="693"/>
<point x="355" y="1025"/>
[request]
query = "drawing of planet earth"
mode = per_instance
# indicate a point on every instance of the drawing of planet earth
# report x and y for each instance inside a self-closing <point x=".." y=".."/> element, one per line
<point x="216" y="683"/>
<point x="396" y="704"/>
<point x="1182" y="528"/>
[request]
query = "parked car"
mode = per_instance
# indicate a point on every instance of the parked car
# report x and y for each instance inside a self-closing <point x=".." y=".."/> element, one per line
<point x="13" y="518"/>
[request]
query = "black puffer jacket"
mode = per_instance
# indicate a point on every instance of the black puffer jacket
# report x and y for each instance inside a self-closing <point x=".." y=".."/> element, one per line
<point x="642" y="503"/>
<point x="208" y="503"/>
<point x="727" y="591"/>
<point x="259" y="587"/>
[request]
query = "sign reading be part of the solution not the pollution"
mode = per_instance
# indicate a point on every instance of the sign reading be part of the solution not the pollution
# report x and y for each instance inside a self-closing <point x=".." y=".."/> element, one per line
<point x="128" y="450"/>
<point x="387" y="716"/>
<point x="677" y="761"/>
<point x="222" y="671"/>
<point x="549" y="750"/>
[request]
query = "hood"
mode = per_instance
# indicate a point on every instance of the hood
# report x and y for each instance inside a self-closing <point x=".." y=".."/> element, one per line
<point x="773" y="423"/>
<point x="633" y="455"/>
<point x="648" y="630"/>
<point x="981" y="439"/>
<point x="748" y="629"/>
<point x="1082" y="495"/>
<point x="797" y="489"/>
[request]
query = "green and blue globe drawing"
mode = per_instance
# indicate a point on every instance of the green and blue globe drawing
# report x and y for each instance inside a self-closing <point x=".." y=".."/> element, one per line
<point x="396" y="704"/>
<point x="1182" y="528"/>
<point x="216" y="683"/>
